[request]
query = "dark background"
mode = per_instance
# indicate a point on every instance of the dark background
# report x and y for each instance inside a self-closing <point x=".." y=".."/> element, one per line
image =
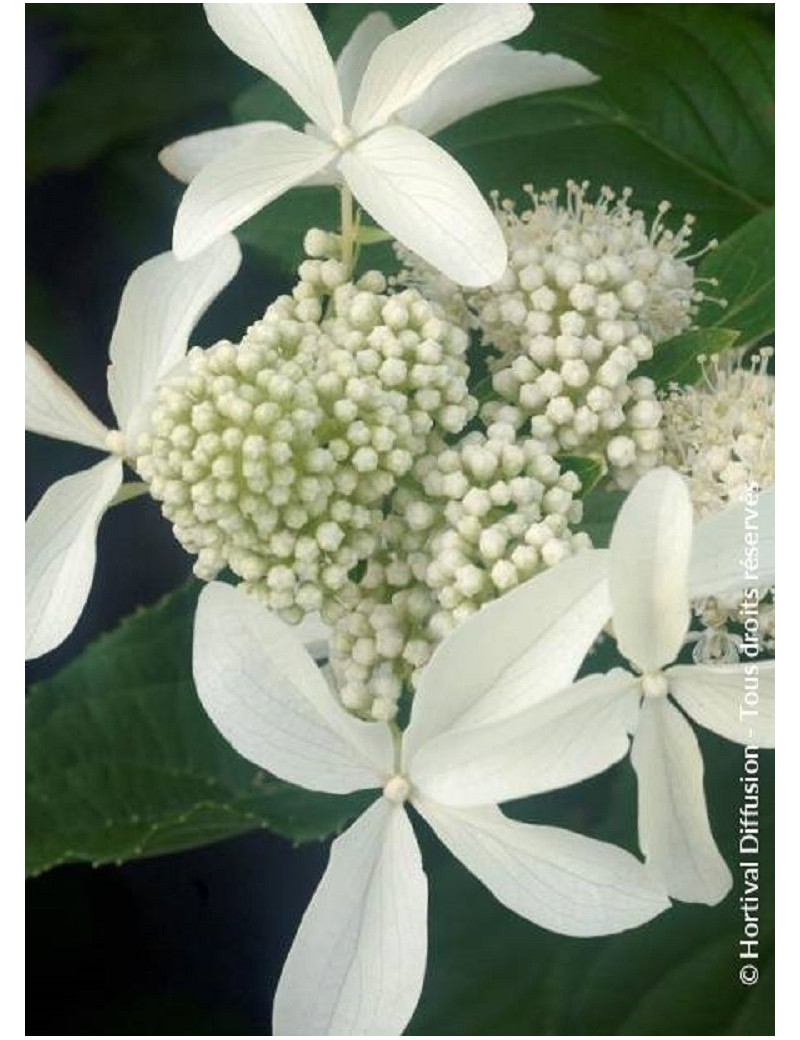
<point x="189" y="943"/>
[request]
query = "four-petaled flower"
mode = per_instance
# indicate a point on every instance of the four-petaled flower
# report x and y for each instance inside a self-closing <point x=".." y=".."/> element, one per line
<point x="656" y="565"/>
<point x="358" y="961"/>
<point x="162" y="302"/>
<point x="369" y="115"/>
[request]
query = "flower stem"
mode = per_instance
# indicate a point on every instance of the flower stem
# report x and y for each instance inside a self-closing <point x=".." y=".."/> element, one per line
<point x="348" y="228"/>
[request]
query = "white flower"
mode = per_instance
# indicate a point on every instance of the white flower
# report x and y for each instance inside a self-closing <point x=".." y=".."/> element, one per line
<point x="358" y="961"/>
<point x="369" y="117"/>
<point x="162" y="302"/>
<point x="656" y="565"/>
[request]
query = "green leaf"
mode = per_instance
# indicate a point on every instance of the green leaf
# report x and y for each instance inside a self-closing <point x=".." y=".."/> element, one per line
<point x="590" y="470"/>
<point x="675" y="361"/>
<point x="123" y="762"/>
<point x="139" y="69"/>
<point x="690" y="82"/>
<point x="600" y="510"/>
<point x="683" y="111"/>
<point x="744" y="267"/>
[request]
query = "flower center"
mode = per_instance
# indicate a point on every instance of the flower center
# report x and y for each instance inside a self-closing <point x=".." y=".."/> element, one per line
<point x="343" y="136"/>
<point x="115" y="442"/>
<point x="397" y="790"/>
<point x="655" y="684"/>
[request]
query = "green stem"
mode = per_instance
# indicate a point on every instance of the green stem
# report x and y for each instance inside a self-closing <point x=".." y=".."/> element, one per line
<point x="397" y="740"/>
<point x="348" y="228"/>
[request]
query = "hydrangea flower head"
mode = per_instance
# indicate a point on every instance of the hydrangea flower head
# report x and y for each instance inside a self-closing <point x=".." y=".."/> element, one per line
<point x="590" y="290"/>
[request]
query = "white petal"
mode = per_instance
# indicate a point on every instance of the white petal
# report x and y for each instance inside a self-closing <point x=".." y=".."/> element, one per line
<point x="358" y="960"/>
<point x="284" y="42"/>
<point x="162" y="302"/>
<point x="492" y="75"/>
<point x="650" y="547"/>
<point x="409" y="60"/>
<point x="737" y="701"/>
<point x="269" y="699"/>
<point x="184" y="159"/>
<point x="421" y="196"/>
<point x="54" y="409"/>
<point x="559" y="880"/>
<point x="60" y="553"/>
<point x="720" y="553"/>
<point x="674" y="832"/>
<point x="513" y="653"/>
<point x="576" y="733"/>
<point x="229" y="190"/>
<point x="356" y="53"/>
<point x="315" y="636"/>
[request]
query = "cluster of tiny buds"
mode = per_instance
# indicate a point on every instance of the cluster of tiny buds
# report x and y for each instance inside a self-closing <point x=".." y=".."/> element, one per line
<point x="272" y="457"/>
<point x="610" y="415"/>
<point x="484" y="516"/>
<point x="589" y="290"/>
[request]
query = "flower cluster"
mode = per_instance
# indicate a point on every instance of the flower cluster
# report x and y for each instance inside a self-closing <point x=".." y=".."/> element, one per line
<point x="589" y="290"/>
<point x="337" y="460"/>
<point x="272" y="457"/>
<point x="497" y="716"/>
<point x="721" y="435"/>
<point x="476" y="520"/>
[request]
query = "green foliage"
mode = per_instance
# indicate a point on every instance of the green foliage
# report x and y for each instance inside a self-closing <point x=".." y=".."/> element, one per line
<point x="142" y="67"/>
<point x="122" y="761"/>
<point x="744" y="267"/>
<point x="675" y="361"/>
<point x="683" y="111"/>
<point x="600" y="510"/>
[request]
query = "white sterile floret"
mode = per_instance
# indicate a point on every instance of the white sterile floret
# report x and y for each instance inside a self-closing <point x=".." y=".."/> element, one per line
<point x="273" y="456"/>
<point x="357" y="964"/>
<point x="161" y="303"/>
<point x="591" y="288"/>
<point x="658" y="561"/>
<point x="370" y="120"/>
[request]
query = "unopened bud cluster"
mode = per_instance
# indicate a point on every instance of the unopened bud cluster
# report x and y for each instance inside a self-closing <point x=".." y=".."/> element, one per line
<point x="272" y="457"/>
<point x="480" y="518"/>
<point x="589" y="290"/>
